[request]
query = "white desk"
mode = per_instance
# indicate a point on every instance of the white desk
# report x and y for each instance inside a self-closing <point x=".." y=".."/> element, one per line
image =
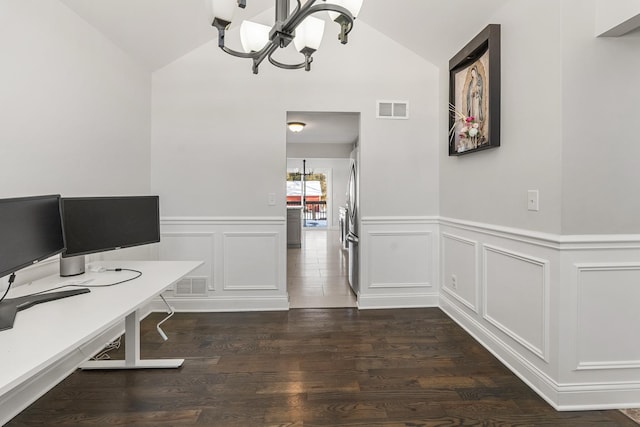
<point x="50" y="340"/>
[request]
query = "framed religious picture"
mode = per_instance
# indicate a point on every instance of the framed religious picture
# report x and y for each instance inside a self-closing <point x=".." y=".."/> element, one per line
<point x="474" y="94"/>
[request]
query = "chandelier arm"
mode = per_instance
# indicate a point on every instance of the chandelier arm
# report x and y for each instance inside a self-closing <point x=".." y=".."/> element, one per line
<point x="239" y="54"/>
<point x="260" y="56"/>
<point x="297" y="19"/>
<point x="286" y="66"/>
<point x="298" y="7"/>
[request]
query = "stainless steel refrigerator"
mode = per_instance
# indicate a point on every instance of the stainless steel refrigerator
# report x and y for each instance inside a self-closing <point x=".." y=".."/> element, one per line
<point x="352" y="234"/>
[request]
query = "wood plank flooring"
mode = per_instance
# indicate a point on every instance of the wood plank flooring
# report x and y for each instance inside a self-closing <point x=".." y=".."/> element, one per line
<point x="307" y="367"/>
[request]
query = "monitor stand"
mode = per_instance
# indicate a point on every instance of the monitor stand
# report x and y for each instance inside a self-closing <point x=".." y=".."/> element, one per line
<point x="71" y="266"/>
<point x="10" y="306"/>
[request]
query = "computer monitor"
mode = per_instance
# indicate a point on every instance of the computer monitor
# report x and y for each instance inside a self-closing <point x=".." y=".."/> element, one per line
<point x="99" y="224"/>
<point x="30" y="231"/>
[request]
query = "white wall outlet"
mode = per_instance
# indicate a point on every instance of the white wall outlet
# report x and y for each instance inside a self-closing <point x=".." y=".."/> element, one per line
<point x="454" y="281"/>
<point x="533" y="200"/>
<point x="271" y="199"/>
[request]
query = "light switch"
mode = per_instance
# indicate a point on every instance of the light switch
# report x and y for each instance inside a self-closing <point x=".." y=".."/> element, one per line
<point x="272" y="199"/>
<point x="533" y="200"/>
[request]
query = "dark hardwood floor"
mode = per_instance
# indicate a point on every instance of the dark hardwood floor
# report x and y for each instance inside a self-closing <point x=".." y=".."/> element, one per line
<point x="307" y="367"/>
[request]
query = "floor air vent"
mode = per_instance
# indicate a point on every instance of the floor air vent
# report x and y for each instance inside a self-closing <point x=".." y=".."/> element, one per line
<point x="191" y="286"/>
<point x="393" y="110"/>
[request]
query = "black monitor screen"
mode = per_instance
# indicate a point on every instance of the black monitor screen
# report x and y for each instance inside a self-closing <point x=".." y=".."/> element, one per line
<point x="30" y="231"/>
<point x="97" y="224"/>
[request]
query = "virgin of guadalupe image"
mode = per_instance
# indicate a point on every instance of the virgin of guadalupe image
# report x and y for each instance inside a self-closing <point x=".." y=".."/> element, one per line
<point x="474" y="95"/>
<point x="474" y="98"/>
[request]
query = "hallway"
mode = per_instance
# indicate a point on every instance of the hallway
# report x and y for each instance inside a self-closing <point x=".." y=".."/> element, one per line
<point x="317" y="272"/>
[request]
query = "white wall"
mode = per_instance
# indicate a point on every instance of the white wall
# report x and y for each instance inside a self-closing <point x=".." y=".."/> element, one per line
<point x="219" y="149"/>
<point x="491" y="186"/>
<point x="616" y="17"/>
<point x="75" y="110"/>
<point x="544" y="291"/>
<point x="213" y="119"/>
<point x="319" y="150"/>
<point x="600" y="96"/>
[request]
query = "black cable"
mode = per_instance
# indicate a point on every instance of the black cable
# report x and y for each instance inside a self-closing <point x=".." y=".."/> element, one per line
<point x="95" y="286"/>
<point x="11" y="279"/>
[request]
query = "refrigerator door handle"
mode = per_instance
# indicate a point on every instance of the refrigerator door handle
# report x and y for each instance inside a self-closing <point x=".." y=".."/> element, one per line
<point x="352" y="238"/>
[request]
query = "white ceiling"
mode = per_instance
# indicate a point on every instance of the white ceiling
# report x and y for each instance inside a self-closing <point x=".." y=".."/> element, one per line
<point x="157" y="32"/>
<point x="324" y="127"/>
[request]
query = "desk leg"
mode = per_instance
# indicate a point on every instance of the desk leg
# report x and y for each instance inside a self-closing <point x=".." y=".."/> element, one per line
<point x="132" y="351"/>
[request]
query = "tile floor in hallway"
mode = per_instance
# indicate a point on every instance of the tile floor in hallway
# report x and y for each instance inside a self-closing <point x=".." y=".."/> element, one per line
<point x="317" y="272"/>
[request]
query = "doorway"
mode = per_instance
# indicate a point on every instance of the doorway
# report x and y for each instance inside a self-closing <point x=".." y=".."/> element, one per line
<point x="311" y="191"/>
<point x="318" y="160"/>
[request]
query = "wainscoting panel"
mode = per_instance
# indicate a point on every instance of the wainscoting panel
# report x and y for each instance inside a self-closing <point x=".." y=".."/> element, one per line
<point x="459" y="262"/>
<point x="516" y="290"/>
<point x="244" y="263"/>
<point x="251" y="261"/>
<point x="608" y="339"/>
<point x="559" y="311"/>
<point x="398" y="263"/>
<point x="399" y="250"/>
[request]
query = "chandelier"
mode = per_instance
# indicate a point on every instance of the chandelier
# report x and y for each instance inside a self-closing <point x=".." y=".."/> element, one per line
<point x="260" y="42"/>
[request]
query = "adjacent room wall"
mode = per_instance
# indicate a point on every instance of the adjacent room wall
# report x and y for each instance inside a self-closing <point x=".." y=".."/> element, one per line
<point x="601" y="146"/>
<point x="75" y="110"/>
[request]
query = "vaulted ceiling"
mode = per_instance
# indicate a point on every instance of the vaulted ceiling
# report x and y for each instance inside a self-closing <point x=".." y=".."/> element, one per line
<point x="157" y="32"/>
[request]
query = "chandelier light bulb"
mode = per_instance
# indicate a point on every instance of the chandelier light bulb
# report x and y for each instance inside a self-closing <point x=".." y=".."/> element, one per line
<point x="223" y="9"/>
<point x="309" y="34"/>
<point x="253" y="36"/>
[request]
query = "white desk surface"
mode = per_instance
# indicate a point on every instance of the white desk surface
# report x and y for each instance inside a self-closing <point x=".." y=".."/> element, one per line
<point x="46" y="332"/>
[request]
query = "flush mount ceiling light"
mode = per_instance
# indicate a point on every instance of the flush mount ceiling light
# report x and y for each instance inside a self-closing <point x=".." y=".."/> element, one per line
<point x="260" y="41"/>
<point x="296" y="126"/>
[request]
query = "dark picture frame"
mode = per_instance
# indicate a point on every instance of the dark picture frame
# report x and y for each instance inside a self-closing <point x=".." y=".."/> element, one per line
<point x="474" y="94"/>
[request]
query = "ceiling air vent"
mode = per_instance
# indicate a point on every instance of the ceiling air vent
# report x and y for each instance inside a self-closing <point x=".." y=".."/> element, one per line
<point x="393" y="110"/>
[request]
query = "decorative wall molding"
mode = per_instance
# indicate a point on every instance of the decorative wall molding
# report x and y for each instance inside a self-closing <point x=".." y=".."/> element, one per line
<point x="540" y="349"/>
<point x="386" y="301"/>
<point x="539" y="344"/>
<point x="587" y="321"/>
<point x="472" y="305"/>
<point x="398" y="262"/>
<point x="200" y="220"/>
<point x="401" y="265"/>
<point x="397" y="220"/>
<point x="253" y="264"/>
<point x="224" y="303"/>
<point x="244" y="262"/>
<point x="549" y="240"/>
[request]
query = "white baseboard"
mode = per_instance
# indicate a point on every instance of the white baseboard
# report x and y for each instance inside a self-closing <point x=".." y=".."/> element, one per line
<point x="225" y="304"/>
<point x="370" y="302"/>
